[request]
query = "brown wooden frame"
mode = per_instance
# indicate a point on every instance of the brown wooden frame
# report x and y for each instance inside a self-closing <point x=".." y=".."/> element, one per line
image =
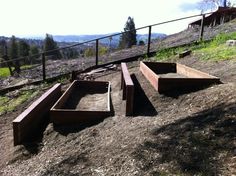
<point x="61" y="116"/>
<point x="195" y="78"/>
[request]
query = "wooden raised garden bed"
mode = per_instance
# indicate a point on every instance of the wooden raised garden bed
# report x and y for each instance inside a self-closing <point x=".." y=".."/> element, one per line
<point x="165" y="77"/>
<point x="83" y="101"/>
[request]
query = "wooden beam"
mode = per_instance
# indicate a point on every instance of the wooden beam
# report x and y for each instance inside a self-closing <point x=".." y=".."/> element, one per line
<point x="191" y="72"/>
<point x="150" y="75"/>
<point x="128" y="89"/>
<point x="184" y="84"/>
<point x="30" y="120"/>
<point x="184" y="53"/>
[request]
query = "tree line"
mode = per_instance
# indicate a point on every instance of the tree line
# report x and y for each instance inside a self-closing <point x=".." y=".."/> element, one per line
<point x="16" y="52"/>
<point x="13" y="50"/>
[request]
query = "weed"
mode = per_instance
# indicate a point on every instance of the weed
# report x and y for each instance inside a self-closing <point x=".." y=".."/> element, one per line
<point x="222" y="38"/>
<point x="4" y="72"/>
<point x="23" y="67"/>
<point x="213" y="50"/>
<point x="9" y="104"/>
<point x="166" y="53"/>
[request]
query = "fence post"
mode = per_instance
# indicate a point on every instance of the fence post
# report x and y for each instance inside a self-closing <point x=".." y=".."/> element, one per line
<point x="202" y="28"/>
<point x="149" y="40"/>
<point x="97" y="52"/>
<point x="43" y="66"/>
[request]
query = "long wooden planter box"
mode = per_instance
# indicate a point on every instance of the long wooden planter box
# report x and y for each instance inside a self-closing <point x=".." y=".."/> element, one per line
<point x="65" y="113"/>
<point x="191" y="78"/>
<point x="29" y="122"/>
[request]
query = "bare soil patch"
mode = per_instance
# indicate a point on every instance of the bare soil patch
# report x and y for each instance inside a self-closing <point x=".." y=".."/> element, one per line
<point x="87" y="101"/>
<point x="172" y="75"/>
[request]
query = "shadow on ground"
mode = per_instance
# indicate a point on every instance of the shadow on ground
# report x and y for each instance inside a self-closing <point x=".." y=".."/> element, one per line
<point x="142" y="104"/>
<point x="195" y="145"/>
<point x="33" y="142"/>
<point x="67" y="129"/>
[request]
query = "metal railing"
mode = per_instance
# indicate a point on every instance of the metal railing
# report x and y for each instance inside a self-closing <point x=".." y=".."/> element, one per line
<point x="95" y="42"/>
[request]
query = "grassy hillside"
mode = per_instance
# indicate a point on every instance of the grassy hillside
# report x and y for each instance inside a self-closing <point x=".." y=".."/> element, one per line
<point x="216" y="49"/>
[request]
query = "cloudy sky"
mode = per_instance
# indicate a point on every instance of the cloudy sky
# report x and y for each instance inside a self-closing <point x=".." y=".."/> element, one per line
<point x="63" y="17"/>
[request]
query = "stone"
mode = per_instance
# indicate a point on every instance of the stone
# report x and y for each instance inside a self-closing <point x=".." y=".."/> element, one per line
<point x="231" y="42"/>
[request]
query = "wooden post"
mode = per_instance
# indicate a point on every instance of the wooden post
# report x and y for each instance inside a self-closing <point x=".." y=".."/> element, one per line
<point x="43" y="66"/>
<point x="202" y="28"/>
<point x="149" y="40"/>
<point x="73" y="76"/>
<point x="97" y="52"/>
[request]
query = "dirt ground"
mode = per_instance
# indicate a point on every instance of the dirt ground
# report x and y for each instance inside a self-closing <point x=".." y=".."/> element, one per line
<point x="84" y="101"/>
<point x="175" y="134"/>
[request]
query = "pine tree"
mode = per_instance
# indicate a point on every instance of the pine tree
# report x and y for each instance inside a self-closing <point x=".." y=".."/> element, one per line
<point x="14" y="54"/>
<point x="128" y="38"/>
<point x="34" y="53"/>
<point x="4" y="55"/>
<point x="50" y="44"/>
<point x="23" y="48"/>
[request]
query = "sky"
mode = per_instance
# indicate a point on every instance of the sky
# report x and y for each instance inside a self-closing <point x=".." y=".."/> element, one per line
<point x="76" y="17"/>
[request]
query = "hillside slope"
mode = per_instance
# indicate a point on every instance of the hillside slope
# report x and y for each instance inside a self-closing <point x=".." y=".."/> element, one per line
<point x="169" y="135"/>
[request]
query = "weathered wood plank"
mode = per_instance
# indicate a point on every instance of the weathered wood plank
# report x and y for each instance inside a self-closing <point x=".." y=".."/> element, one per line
<point x="185" y="53"/>
<point x="128" y="89"/>
<point x="150" y="75"/>
<point x="29" y="120"/>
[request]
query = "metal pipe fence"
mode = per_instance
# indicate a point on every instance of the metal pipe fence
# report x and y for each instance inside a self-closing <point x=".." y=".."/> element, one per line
<point x="95" y="52"/>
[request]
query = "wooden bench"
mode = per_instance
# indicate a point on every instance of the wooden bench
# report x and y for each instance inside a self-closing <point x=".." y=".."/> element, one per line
<point x="28" y="122"/>
<point x="128" y="89"/>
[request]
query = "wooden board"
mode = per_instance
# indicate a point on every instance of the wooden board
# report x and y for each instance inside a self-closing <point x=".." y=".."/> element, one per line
<point x="28" y="122"/>
<point x="127" y="86"/>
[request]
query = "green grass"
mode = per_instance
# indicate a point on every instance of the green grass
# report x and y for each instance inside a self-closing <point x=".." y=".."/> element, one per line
<point x="8" y="104"/>
<point x="214" y="50"/>
<point x="165" y="54"/>
<point x="26" y="66"/>
<point x="4" y="72"/>
<point x="221" y="52"/>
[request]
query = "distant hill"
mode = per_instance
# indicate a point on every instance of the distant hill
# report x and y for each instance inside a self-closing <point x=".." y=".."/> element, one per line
<point x="65" y="40"/>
